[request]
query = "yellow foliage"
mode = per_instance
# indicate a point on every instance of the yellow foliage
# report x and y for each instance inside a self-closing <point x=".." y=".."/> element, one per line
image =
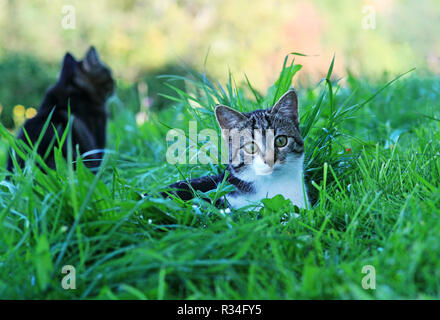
<point x="30" y="113"/>
<point x="19" y="110"/>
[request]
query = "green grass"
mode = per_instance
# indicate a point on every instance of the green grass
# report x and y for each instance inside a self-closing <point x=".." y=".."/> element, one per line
<point x="373" y="172"/>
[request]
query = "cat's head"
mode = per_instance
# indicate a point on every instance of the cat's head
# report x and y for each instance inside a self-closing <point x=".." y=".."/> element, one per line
<point x="263" y="142"/>
<point x="89" y="76"/>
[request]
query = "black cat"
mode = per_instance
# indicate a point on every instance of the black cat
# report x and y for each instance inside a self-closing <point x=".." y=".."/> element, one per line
<point x="84" y="86"/>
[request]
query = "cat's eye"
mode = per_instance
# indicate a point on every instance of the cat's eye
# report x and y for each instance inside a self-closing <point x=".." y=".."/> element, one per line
<point x="280" y="141"/>
<point x="250" y="148"/>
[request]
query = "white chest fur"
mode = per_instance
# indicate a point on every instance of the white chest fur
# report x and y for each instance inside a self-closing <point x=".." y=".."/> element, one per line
<point x="286" y="180"/>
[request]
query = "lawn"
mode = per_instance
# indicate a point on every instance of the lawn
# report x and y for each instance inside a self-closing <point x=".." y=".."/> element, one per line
<point x="372" y="171"/>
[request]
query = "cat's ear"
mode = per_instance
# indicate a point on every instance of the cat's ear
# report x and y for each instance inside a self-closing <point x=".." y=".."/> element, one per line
<point x="91" y="59"/>
<point x="228" y="118"/>
<point x="67" y="67"/>
<point x="287" y="106"/>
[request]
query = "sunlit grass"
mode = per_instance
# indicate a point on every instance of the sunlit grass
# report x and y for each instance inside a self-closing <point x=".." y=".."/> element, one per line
<point x="373" y="173"/>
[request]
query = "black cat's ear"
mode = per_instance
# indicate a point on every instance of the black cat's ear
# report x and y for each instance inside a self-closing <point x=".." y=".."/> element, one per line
<point x="91" y="59"/>
<point x="67" y="67"/>
<point x="287" y="106"/>
<point x="228" y="118"/>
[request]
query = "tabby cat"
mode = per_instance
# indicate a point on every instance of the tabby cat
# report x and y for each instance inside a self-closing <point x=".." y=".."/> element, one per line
<point x="266" y="160"/>
<point x="84" y="86"/>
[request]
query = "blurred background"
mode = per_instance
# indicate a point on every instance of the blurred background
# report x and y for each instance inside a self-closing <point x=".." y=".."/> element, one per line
<point x="141" y="39"/>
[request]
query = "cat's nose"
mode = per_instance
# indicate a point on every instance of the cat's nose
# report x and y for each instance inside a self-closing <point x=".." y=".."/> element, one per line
<point x="269" y="158"/>
<point x="261" y="167"/>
